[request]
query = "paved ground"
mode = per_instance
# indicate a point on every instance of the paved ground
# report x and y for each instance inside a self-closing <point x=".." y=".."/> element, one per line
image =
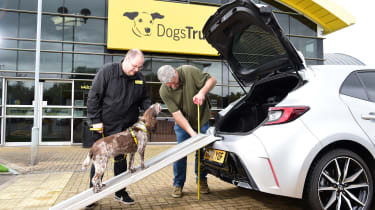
<point x="58" y="176"/>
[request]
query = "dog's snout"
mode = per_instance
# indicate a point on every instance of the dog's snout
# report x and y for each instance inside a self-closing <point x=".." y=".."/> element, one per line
<point x="147" y="30"/>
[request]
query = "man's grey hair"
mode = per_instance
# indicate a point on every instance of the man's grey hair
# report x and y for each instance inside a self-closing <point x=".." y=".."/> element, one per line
<point x="166" y="73"/>
<point x="132" y="53"/>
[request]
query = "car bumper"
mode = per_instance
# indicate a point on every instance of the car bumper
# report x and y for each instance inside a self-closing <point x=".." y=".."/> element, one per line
<point x="273" y="160"/>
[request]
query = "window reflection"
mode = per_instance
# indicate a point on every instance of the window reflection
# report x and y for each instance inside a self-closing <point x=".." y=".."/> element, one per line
<point x="8" y="21"/>
<point x="211" y="67"/>
<point x="50" y="62"/>
<point x="26" y="45"/>
<point x="87" y="63"/>
<point x="31" y="5"/>
<point x="308" y="47"/>
<point x="90" y="31"/>
<point x="153" y="92"/>
<point x="147" y="70"/>
<point x="78" y="130"/>
<point x="51" y="6"/>
<point x="57" y="93"/>
<point x="96" y="7"/>
<point x="51" y="27"/>
<point x="81" y="91"/>
<point x="27" y="25"/>
<point x="302" y="26"/>
<point x="18" y="129"/>
<point x="20" y="92"/>
<point x="26" y="61"/>
<point x="9" y="4"/>
<point x="8" y="59"/>
<point x="1" y="90"/>
<point x="283" y="20"/>
<point x="56" y="130"/>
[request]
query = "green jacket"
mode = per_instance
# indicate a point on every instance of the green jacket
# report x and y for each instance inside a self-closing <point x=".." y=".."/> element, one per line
<point x="191" y="80"/>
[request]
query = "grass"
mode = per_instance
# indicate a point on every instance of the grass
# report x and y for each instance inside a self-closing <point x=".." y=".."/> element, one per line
<point x="3" y="168"/>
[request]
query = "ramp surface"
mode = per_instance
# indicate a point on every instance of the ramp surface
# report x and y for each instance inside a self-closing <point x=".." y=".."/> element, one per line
<point x="152" y="165"/>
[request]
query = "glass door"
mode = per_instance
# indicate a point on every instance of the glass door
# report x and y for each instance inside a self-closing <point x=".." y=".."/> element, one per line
<point x="56" y="112"/>
<point x="19" y="111"/>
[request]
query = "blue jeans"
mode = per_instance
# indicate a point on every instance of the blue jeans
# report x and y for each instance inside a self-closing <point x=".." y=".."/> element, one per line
<point x="179" y="167"/>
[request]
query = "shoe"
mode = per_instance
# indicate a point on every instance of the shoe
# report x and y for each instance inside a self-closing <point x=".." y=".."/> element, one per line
<point x="203" y="187"/>
<point x="91" y="206"/>
<point x="177" y="192"/>
<point x="124" y="198"/>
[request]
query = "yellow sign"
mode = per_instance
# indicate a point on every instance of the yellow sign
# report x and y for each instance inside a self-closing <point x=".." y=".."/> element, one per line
<point x="138" y="82"/>
<point x="158" y="26"/>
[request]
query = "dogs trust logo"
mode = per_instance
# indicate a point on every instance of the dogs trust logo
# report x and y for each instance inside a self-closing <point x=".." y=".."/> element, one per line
<point x="142" y="22"/>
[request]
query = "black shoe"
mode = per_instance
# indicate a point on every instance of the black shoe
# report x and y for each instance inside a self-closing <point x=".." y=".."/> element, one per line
<point x="91" y="206"/>
<point x="124" y="198"/>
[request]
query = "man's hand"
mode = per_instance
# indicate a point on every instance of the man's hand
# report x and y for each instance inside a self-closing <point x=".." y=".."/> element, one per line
<point x="98" y="127"/>
<point x="201" y="95"/>
<point x="199" y="98"/>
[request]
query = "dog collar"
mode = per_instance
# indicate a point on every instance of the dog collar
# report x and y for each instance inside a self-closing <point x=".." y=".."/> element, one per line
<point x="133" y="135"/>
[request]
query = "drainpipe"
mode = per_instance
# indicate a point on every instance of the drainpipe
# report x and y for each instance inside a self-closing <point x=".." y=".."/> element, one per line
<point x="35" y="129"/>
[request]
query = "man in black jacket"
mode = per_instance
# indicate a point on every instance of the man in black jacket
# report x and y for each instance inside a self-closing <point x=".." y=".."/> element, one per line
<point x="118" y="92"/>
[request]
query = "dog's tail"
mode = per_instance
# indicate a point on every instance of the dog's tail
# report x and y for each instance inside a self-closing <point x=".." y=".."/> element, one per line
<point x="87" y="161"/>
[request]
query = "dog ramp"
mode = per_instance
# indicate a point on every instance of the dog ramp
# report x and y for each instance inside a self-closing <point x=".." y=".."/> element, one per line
<point x="152" y="165"/>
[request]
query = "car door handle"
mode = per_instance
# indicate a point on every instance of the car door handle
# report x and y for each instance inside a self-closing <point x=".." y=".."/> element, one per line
<point x="369" y="116"/>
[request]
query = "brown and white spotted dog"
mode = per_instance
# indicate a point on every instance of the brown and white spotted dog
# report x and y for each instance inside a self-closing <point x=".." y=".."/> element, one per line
<point x="122" y="143"/>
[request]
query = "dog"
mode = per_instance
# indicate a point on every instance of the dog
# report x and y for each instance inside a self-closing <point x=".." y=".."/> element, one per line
<point x="142" y="22"/>
<point x="129" y="141"/>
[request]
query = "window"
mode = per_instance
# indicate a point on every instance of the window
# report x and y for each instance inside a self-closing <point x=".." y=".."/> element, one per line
<point x="20" y="92"/>
<point x="8" y="24"/>
<point x="8" y="59"/>
<point x="309" y="47"/>
<point x="50" y="62"/>
<point x="368" y="78"/>
<point x="27" y="26"/>
<point x="51" y="28"/>
<point x="31" y="5"/>
<point x="353" y="87"/>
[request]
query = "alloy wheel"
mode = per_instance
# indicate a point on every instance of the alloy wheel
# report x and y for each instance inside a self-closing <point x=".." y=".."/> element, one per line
<point x="343" y="184"/>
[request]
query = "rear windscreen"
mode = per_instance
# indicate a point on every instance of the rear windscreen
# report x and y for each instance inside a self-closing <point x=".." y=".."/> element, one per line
<point x="255" y="47"/>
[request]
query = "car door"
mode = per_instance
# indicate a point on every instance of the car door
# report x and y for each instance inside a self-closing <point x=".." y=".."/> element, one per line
<point x="359" y="95"/>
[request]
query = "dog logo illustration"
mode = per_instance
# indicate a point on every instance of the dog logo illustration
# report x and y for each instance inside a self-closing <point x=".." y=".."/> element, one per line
<point x="143" y="22"/>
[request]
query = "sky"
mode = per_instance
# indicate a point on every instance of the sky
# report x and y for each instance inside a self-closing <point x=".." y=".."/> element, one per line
<point x="357" y="40"/>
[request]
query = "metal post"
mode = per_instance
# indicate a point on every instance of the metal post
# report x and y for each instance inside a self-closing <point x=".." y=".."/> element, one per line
<point x="35" y="129"/>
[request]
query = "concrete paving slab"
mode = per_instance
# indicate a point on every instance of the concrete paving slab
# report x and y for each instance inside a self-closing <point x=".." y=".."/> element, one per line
<point x="59" y="177"/>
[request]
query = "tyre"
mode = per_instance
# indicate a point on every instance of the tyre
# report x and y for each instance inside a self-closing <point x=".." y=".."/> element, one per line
<point x="340" y="179"/>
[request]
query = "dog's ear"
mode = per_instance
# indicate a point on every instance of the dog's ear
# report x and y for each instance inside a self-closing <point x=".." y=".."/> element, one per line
<point x="131" y="15"/>
<point x="156" y="15"/>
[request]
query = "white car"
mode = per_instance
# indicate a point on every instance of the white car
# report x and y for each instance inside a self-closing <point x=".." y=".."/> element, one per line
<point x="301" y="132"/>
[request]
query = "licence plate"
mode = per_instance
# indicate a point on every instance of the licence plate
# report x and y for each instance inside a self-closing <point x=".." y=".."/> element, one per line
<point x="215" y="155"/>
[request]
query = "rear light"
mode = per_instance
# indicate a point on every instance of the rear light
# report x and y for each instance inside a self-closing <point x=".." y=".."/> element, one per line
<point x="278" y="115"/>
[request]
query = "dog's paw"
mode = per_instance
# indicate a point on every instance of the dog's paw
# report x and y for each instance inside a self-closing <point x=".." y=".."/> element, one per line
<point x="143" y="167"/>
<point x="132" y="170"/>
<point x="96" y="190"/>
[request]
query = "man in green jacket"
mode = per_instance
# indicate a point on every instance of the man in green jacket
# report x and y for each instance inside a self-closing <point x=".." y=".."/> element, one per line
<point x="181" y="90"/>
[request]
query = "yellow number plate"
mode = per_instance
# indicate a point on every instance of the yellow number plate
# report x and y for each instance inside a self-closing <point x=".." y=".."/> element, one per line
<point x="214" y="155"/>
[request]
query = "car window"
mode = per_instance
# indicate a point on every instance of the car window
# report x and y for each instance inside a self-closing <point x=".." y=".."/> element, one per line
<point x="368" y="79"/>
<point x="353" y="87"/>
<point x="265" y="47"/>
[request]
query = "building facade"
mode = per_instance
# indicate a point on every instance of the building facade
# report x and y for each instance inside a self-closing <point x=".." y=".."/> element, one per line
<point x="74" y="44"/>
